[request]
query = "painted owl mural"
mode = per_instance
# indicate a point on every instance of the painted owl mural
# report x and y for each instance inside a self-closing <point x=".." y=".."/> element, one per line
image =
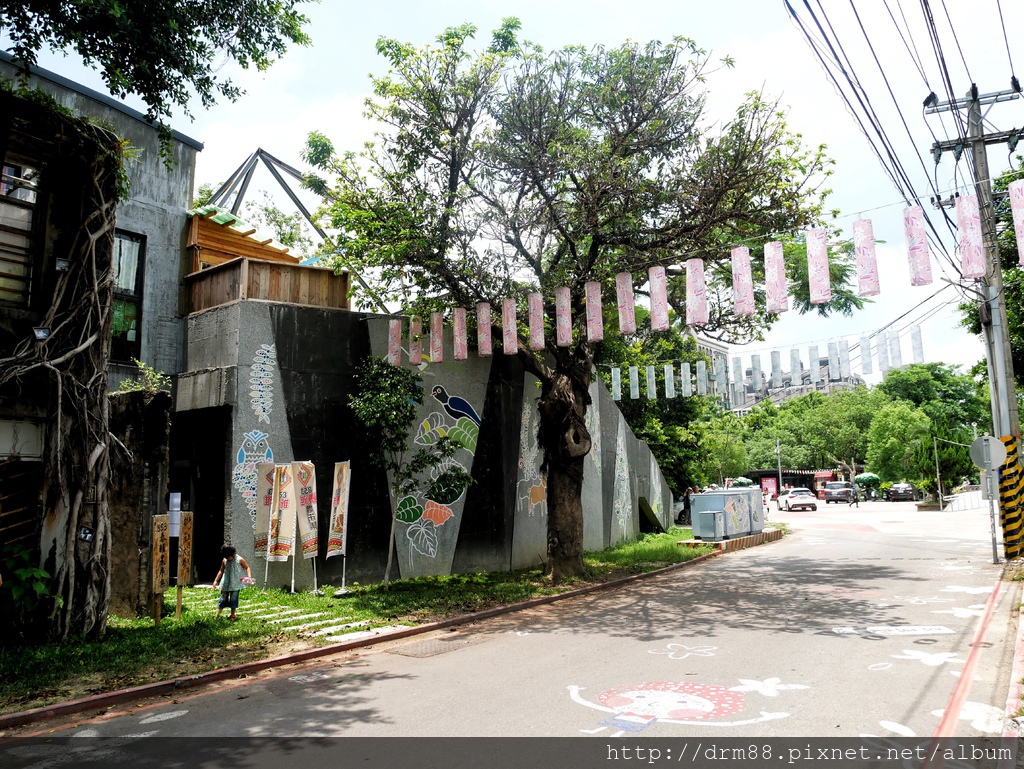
<point x="255" y="449"/>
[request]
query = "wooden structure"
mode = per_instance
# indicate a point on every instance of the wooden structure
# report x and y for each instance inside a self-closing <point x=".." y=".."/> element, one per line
<point x="215" y="236"/>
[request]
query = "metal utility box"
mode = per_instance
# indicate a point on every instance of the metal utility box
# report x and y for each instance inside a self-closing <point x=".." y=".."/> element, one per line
<point x="742" y="510"/>
<point x="709" y="525"/>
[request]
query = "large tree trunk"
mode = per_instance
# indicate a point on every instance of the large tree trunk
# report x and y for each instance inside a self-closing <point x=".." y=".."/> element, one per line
<point x="565" y="441"/>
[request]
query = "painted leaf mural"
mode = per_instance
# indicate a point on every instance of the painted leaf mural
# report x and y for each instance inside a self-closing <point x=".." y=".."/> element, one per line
<point x="436" y="512"/>
<point x="431" y="429"/>
<point x="422" y="537"/>
<point x="465" y="433"/>
<point x="409" y="510"/>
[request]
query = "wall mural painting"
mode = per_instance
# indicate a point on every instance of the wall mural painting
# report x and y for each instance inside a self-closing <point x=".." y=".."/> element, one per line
<point x="255" y="449"/>
<point x="622" y="497"/>
<point x="261" y="382"/>
<point x="422" y="515"/>
<point x="593" y="422"/>
<point x="654" y="499"/>
<point x="532" y="490"/>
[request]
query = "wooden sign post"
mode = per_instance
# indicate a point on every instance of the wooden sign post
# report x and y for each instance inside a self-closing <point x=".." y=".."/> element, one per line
<point x="161" y="558"/>
<point x="184" y="557"/>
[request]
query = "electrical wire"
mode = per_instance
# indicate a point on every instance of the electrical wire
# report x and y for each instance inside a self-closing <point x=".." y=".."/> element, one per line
<point x="1006" y="40"/>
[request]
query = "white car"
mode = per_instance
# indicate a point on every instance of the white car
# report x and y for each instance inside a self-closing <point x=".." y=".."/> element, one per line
<point x="796" y="499"/>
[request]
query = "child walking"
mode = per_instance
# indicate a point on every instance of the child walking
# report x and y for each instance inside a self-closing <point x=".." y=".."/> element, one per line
<point x="230" y="579"/>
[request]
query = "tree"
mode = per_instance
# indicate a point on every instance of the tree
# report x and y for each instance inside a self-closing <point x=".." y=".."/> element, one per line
<point x="161" y="52"/>
<point x="512" y="169"/>
<point x="895" y="435"/>
<point x="723" y="445"/>
<point x="385" y="402"/>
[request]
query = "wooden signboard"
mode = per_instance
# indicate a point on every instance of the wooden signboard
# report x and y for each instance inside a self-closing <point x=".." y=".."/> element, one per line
<point x="185" y="550"/>
<point x="161" y="553"/>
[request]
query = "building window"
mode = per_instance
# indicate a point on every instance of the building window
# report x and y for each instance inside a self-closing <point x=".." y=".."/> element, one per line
<point x="19" y="191"/>
<point x="126" y="326"/>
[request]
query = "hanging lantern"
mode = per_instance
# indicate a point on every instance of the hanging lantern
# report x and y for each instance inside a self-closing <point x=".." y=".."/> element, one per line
<point x="483" y="329"/>
<point x="595" y="321"/>
<point x="737" y="373"/>
<point x="814" y="364"/>
<point x="972" y="251"/>
<point x="509" y="333"/>
<point x="796" y="371"/>
<point x="616" y="384"/>
<point x="865" y="355"/>
<point x="702" y="377"/>
<point x="535" y="304"/>
<point x="436" y="337"/>
<point x="670" y="380"/>
<point x="563" y="319"/>
<point x="895" y="353"/>
<point x="882" y="352"/>
<point x="459" y="335"/>
<point x="917" y="246"/>
<point x="415" y="341"/>
<point x="1016" y="192"/>
<point x="634" y="382"/>
<point x="755" y="372"/>
<point x="776" y="369"/>
<point x="721" y="379"/>
<point x="917" y="344"/>
<point x="685" y="380"/>
<point x="742" y="283"/>
<point x="776" y="290"/>
<point x="659" y="298"/>
<point x="696" y="294"/>
<point x="833" y="362"/>
<point x="844" y="359"/>
<point x="652" y="385"/>
<point x="817" y="266"/>
<point x="867" y="263"/>
<point x="627" y="310"/>
<point x="395" y="342"/>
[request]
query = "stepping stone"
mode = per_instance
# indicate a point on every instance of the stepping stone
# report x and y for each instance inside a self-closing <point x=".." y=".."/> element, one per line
<point x="293" y="619"/>
<point x="336" y="628"/>
<point x="307" y="625"/>
<point x="365" y="633"/>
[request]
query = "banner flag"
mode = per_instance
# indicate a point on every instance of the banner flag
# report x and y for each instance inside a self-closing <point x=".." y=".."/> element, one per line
<point x="702" y="377"/>
<point x="652" y="384"/>
<point x="834" y="373"/>
<point x="844" y="359"/>
<point x="696" y="293"/>
<point x="415" y="341"/>
<point x="814" y="364"/>
<point x="917" y="344"/>
<point x="867" y="263"/>
<point x="634" y="382"/>
<point x="436" y="337"/>
<point x="817" y="266"/>
<point x="776" y="290"/>
<point x="895" y="353"/>
<point x="776" y="369"/>
<point x="796" y="371"/>
<point x="865" y="355"/>
<point x="721" y="379"/>
<point x="535" y="308"/>
<point x="616" y="384"/>
<point x="460" y="338"/>
<point x="685" y="379"/>
<point x="917" y="248"/>
<point x="742" y="283"/>
<point x="264" y="501"/>
<point x="1016" y="192"/>
<point x="737" y="373"/>
<point x="509" y="332"/>
<point x="282" y="515"/>
<point x="337" y="539"/>
<point x="563" y="319"/>
<point x="305" y="491"/>
<point x="670" y="380"/>
<point x="755" y="372"/>
<point x="161" y="553"/>
<point x="659" y="298"/>
<point x="627" y="307"/>
<point x="972" y="251"/>
<point x="483" y="330"/>
<point x="595" y="320"/>
<point x="395" y="342"/>
<point x="882" y="351"/>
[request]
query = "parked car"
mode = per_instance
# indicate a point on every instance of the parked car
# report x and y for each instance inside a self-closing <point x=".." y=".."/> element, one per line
<point x="838" y="491"/>
<point x="796" y="499"/>
<point x="902" y="491"/>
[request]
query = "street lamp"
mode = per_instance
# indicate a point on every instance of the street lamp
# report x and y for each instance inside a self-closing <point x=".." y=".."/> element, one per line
<point x="778" y="455"/>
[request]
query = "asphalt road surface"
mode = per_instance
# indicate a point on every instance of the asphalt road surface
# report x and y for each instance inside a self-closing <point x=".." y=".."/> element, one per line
<point x="860" y="622"/>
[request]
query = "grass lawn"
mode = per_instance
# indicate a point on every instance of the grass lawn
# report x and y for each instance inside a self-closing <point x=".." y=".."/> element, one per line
<point x="272" y="622"/>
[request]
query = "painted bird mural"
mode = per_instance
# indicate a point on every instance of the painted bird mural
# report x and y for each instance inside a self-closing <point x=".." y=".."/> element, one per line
<point x="454" y="406"/>
<point x="255" y="448"/>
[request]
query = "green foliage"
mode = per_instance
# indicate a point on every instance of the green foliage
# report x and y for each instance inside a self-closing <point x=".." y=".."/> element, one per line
<point x="289" y="229"/>
<point x="149" y="380"/>
<point x="897" y="431"/>
<point x="24" y="595"/>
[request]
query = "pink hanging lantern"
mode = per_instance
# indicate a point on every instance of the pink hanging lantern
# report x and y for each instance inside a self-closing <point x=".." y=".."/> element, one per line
<point x="563" y="319"/>
<point x="459" y="335"/>
<point x="595" y="321"/>
<point x="817" y="266"/>
<point x="776" y="291"/>
<point x="867" y="264"/>
<point x="742" y="283"/>
<point x="1016" y="192"/>
<point x="436" y="337"/>
<point x="536" y="307"/>
<point x="917" y="246"/>
<point x="627" y="308"/>
<point x="483" y="329"/>
<point x="509" y="333"/>
<point x="659" y="298"/>
<point x="696" y="293"/>
<point x="395" y="342"/>
<point x="972" y="251"/>
<point x="415" y="341"/>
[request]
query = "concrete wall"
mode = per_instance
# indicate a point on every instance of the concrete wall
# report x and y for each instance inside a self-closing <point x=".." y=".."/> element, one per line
<point x="293" y="370"/>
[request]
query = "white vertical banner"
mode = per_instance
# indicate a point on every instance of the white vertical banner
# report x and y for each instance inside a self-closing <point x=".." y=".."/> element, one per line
<point x="670" y="380"/>
<point x="755" y="372"/>
<point x="652" y="384"/>
<point x="814" y="364"/>
<point x="882" y="350"/>
<point x="721" y="378"/>
<point x="776" y="369"/>
<point x="338" y="535"/>
<point x="634" y="382"/>
<point x="685" y="380"/>
<point x="844" y="359"/>
<point x="833" y="362"/>
<point x="917" y="344"/>
<point x="796" y="372"/>
<point x="865" y="355"/>
<point x="616" y="384"/>
<point x="895" y="353"/>
<point x="737" y="374"/>
<point x="702" y="377"/>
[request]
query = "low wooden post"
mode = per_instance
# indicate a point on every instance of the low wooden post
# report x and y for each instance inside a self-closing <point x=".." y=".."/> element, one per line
<point x="161" y="556"/>
<point x="184" y="557"/>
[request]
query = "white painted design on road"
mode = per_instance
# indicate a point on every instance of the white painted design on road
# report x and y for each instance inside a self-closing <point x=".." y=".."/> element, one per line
<point x="900" y="729"/>
<point x="964" y="612"/>
<point x="984" y="718"/>
<point x="681" y="652"/>
<point x="522" y="632"/>
<point x="895" y="630"/>
<point x="880" y="666"/>
<point x="917" y="600"/>
<point x="308" y="679"/>
<point x="140" y="735"/>
<point x="87" y="733"/>
<point x="164" y="717"/>
<point x="931" y="659"/>
<point x="770" y="687"/>
<point x="968" y="590"/>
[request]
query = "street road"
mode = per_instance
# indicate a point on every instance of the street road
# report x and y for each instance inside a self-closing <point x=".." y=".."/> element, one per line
<point x="859" y="622"/>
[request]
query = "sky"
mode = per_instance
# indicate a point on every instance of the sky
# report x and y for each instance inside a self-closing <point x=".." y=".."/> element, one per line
<point x="323" y="88"/>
